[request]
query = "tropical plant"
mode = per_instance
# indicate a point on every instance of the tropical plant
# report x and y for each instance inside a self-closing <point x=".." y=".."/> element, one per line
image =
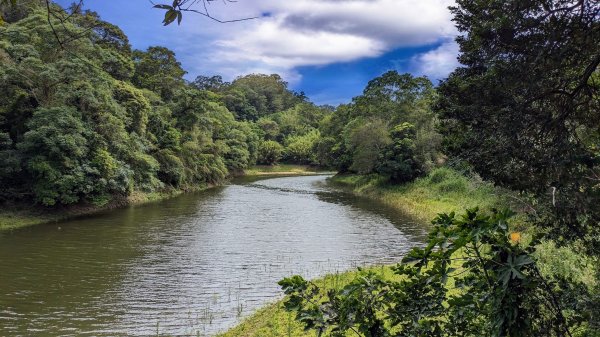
<point x="470" y="279"/>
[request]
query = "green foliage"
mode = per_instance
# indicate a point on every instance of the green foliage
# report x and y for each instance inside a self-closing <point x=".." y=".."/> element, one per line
<point x="237" y="155"/>
<point x="263" y="95"/>
<point x="136" y="107"/>
<point x="470" y="279"/>
<point x="269" y="127"/>
<point x="158" y="70"/>
<point x="523" y="108"/>
<point x="372" y="136"/>
<point x="210" y="83"/>
<point x="398" y="161"/>
<point x="369" y="140"/>
<point x="88" y="120"/>
<point x="11" y="159"/>
<point x="300" y="149"/>
<point x="269" y="152"/>
<point x="323" y="148"/>
<point x="56" y="151"/>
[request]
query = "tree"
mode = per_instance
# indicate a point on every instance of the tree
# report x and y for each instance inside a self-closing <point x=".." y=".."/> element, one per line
<point x="368" y="140"/>
<point x="56" y="151"/>
<point x="268" y="94"/>
<point x="210" y="83"/>
<point x="397" y="161"/>
<point x="157" y="69"/>
<point x="269" y="152"/>
<point x="75" y="129"/>
<point x="523" y="108"/>
<point x="387" y="101"/>
<point x="301" y="149"/>
<point x="269" y="127"/>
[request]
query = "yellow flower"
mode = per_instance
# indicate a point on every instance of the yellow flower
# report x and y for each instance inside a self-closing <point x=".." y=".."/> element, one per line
<point x="515" y="237"/>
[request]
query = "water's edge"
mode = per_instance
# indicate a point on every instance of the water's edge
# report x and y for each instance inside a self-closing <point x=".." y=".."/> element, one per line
<point x="198" y="263"/>
<point x="16" y="217"/>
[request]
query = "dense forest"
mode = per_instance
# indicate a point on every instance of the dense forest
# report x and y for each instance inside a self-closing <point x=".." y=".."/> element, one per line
<point x="86" y="118"/>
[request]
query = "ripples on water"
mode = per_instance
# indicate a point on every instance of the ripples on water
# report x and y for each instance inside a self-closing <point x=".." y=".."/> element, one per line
<point x="194" y="264"/>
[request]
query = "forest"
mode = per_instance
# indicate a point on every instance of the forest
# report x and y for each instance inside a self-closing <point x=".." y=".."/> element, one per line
<point x="90" y="120"/>
<point x="85" y="119"/>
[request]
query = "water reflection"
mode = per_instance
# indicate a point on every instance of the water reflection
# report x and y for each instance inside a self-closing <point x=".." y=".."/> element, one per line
<point x="193" y="264"/>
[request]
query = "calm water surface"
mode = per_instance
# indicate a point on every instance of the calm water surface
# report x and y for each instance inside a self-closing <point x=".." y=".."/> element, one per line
<point x="196" y="264"/>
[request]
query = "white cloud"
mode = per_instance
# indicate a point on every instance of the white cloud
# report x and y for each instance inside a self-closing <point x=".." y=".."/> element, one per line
<point x="277" y="45"/>
<point x="437" y="63"/>
<point x="313" y="32"/>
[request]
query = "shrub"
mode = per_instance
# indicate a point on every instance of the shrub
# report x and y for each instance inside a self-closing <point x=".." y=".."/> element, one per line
<point x="269" y="152"/>
<point x="469" y="280"/>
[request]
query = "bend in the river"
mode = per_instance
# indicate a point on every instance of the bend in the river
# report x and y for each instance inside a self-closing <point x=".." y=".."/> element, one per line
<point x="195" y="263"/>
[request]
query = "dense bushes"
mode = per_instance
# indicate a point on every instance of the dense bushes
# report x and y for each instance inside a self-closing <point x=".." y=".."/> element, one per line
<point x="470" y="279"/>
<point x="89" y="119"/>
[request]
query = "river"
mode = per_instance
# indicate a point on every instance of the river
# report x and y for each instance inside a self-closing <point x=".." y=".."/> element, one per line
<point x="192" y="265"/>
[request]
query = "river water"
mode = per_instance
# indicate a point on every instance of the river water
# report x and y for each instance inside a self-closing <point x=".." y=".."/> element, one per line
<point x="192" y="265"/>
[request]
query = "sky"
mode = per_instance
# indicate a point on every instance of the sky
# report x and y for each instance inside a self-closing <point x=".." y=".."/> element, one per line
<point x="329" y="49"/>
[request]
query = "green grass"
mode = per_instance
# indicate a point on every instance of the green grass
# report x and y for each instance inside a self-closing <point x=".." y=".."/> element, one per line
<point x="274" y="321"/>
<point x="283" y="169"/>
<point x="19" y="216"/>
<point x="441" y="191"/>
<point x="11" y="219"/>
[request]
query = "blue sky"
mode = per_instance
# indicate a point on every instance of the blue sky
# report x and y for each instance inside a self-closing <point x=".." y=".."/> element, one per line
<point x="329" y="49"/>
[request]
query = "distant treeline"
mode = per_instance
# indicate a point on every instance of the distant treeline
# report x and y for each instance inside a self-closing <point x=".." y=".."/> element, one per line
<point x="85" y="119"/>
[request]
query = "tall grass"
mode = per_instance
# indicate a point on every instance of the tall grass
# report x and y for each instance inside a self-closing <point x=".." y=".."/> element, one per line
<point x="443" y="190"/>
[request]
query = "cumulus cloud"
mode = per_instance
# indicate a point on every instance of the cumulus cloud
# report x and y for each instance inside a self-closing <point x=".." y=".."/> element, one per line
<point x="280" y="46"/>
<point x="437" y="63"/>
<point x="319" y="32"/>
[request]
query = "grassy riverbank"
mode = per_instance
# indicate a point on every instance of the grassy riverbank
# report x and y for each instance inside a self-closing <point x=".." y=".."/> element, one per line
<point x="442" y="191"/>
<point x="18" y="216"/>
<point x="274" y="321"/>
<point x="283" y="170"/>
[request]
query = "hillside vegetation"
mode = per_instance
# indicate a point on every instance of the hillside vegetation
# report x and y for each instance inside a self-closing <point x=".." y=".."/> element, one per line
<point x="87" y="121"/>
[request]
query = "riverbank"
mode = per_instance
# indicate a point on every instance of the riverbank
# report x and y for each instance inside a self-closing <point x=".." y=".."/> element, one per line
<point x="274" y="321"/>
<point x="19" y="216"/>
<point x="443" y="190"/>
<point x="284" y="170"/>
<point x="15" y="216"/>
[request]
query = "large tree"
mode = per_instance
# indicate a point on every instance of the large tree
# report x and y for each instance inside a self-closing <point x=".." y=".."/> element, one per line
<point x="523" y="109"/>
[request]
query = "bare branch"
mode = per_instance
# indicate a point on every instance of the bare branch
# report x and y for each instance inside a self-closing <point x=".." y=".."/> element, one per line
<point x="180" y="6"/>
